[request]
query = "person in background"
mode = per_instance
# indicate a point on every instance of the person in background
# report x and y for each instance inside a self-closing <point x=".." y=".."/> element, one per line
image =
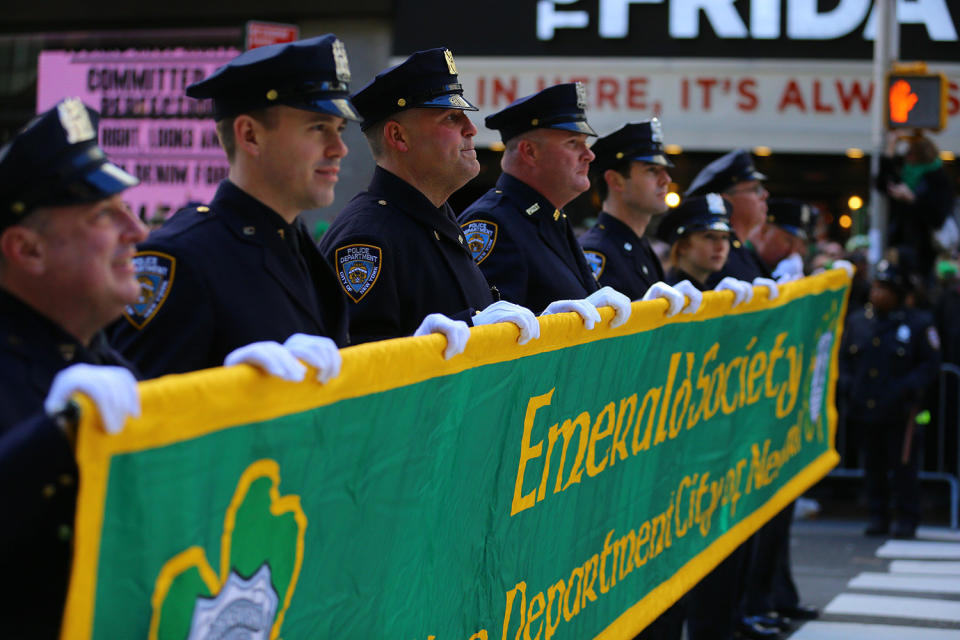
<point x="781" y="241"/>
<point x="698" y="232"/>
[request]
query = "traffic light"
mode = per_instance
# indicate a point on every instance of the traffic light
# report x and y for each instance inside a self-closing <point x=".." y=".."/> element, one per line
<point x="916" y="99"/>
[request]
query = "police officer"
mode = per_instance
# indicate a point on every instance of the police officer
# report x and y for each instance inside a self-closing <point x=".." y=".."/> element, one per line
<point x="244" y="269"/>
<point x="698" y="232"/>
<point x="517" y="231"/>
<point x="781" y="241"/>
<point x="66" y="243"/>
<point x="889" y="356"/>
<point x="396" y="247"/>
<point x="630" y="171"/>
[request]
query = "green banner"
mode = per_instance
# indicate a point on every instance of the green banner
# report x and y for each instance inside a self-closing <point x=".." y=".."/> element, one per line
<point x="572" y="487"/>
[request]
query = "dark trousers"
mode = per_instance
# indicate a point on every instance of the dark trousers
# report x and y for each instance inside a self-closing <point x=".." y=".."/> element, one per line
<point x="713" y="606"/>
<point x="883" y="448"/>
<point x="769" y="580"/>
<point x="669" y="626"/>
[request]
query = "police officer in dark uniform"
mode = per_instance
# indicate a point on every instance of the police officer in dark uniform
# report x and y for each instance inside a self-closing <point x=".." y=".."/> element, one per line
<point x="698" y="232"/>
<point x="66" y="243"/>
<point x="517" y="231"/>
<point x="781" y="241"/>
<point x="245" y="269"/>
<point x="889" y="356"/>
<point x="396" y="247"/>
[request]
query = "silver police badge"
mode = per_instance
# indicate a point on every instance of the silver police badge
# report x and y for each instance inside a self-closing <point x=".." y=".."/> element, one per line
<point x="341" y="62"/>
<point x="581" y="95"/>
<point x="656" y="130"/>
<point x="596" y="261"/>
<point x="242" y="609"/>
<point x="155" y="273"/>
<point x="358" y="266"/>
<point x="715" y="203"/>
<point x="481" y="235"/>
<point x="75" y="121"/>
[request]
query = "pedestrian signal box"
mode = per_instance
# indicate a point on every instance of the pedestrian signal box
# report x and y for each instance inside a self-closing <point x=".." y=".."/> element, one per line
<point x="916" y="99"/>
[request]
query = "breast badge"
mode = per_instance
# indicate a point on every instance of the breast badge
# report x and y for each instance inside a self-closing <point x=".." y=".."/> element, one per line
<point x="155" y="272"/>
<point x="596" y="261"/>
<point x="358" y="266"/>
<point x="481" y="235"/>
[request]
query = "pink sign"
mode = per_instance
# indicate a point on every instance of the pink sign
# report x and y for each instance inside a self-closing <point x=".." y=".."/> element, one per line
<point x="260" y="34"/>
<point x="148" y="125"/>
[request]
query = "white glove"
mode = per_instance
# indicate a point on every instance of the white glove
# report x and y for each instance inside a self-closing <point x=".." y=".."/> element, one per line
<point x="610" y="297"/>
<point x="788" y="277"/>
<point x="846" y="265"/>
<point x="696" y="296"/>
<point x="455" y="331"/>
<point x="675" y="298"/>
<point x="585" y="309"/>
<point x="503" y="311"/>
<point x="771" y="285"/>
<point x="742" y="290"/>
<point x="268" y="356"/>
<point x="317" y="351"/>
<point x="112" y="389"/>
<point x="792" y="266"/>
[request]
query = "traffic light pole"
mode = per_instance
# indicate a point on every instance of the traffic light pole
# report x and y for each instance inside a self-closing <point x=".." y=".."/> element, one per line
<point x="886" y="49"/>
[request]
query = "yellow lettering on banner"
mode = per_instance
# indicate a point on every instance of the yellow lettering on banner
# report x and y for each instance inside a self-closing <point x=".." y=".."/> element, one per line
<point x="582" y="421"/>
<point x="684" y="394"/>
<point x="589" y="577"/>
<point x="681" y="527"/>
<point x="775" y="354"/>
<point x="728" y="407"/>
<point x="650" y="400"/>
<point x="596" y="435"/>
<point x="619" y="445"/>
<point x="758" y="466"/>
<point x="511" y="595"/>
<point x="708" y="384"/>
<point x="792" y="387"/>
<point x="643" y="536"/>
<point x="554" y="622"/>
<point x="479" y="635"/>
<point x="758" y="366"/>
<point x="665" y="405"/>
<point x="704" y="515"/>
<point x="624" y="555"/>
<point x="567" y="613"/>
<point x="528" y="453"/>
<point x="532" y="615"/>
<point x="607" y="550"/>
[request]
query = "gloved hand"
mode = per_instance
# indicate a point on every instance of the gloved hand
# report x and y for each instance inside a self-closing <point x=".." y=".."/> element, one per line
<point x="112" y="389"/>
<point x="696" y="296"/>
<point x="792" y="265"/>
<point x="455" y="331"/>
<point x="675" y="299"/>
<point x="610" y="297"/>
<point x="771" y="285"/>
<point x="503" y="311"/>
<point x="846" y="265"/>
<point x="742" y="290"/>
<point x="268" y="356"/>
<point x="788" y="277"/>
<point x="317" y="351"/>
<point x="586" y="310"/>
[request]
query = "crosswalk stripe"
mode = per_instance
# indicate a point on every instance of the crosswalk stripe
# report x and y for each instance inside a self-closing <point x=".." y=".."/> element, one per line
<point x="917" y="549"/>
<point x="818" y="630"/>
<point x="894" y="607"/>
<point x="905" y="582"/>
<point x="929" y="567"/>
<point x="938" y="533"/>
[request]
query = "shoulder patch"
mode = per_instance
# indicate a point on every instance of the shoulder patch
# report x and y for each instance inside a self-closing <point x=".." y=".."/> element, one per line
<point x="155" y="273"/>
<point x="596" y="261"/>
<point x="481" y="235"/>
<point x="358" y="266"/>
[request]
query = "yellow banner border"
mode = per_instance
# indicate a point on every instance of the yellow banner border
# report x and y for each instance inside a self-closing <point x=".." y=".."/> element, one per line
<point x="203" y="408"/>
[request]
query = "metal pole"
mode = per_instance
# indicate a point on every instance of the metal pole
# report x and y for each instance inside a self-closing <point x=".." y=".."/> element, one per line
<point x="886" y="48"/>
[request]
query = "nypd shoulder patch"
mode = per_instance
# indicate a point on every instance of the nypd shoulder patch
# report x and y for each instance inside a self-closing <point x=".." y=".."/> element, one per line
<point x="481" y="235"/>
<point x="155" y="273"/>
<point x="358" y="266"/>
<point x="596" y="261"/>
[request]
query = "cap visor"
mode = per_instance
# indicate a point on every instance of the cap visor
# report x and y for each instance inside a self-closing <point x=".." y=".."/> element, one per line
<point x="756" y="175"/>
<point x="341" y="107"/>
<point x="795" y="231"/>
<point x="657" y="158"/>
<point x="106" y="180"/>
<point x="449" y="101"/>
<point x="579" y="126"/>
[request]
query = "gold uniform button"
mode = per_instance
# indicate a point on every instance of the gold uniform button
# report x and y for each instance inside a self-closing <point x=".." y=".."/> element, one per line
<point x="382" y="203"/>
<point x="65" y="480"/>
<point x="871" y="403"/>
<point x="461" y="239"/>
<point x="873" y="373"/>
<point x="48" y="491"/>
<point x="203" y="209"/>
<point x="876" y="342"/>
<point x="736" y="244"/>
<point x="436" y="235"/>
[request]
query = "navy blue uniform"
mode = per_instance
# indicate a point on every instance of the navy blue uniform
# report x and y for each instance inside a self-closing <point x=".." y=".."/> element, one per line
<point x="526" y="247"/>
<point x="742" y="263"/>
<point x="219" y="277"/>
<point x="400" y="258"/>
<point x="619" y="258"/>
<point x="38" y="474"/>
<point x="675" y="275"/>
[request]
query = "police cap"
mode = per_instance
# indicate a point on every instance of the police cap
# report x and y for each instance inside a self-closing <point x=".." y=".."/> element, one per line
<point x="311" y="74"/>
<point x="561" y="106"/>
<point x="725" y="172"/>
<point x="697" y="213"/>
<point x="634" y="141"/>
<point x="793" y="216"/>
<point x="55" y="160"/>
<point x="892" y="276"/>
<point x="425" y="79"/>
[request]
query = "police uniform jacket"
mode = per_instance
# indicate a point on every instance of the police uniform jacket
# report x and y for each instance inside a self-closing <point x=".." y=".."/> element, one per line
<point x="219" y="277"/>
<point x="530" y="253"/>
<point x="887" y="360"/>
<point x="38" y="474"/>
<point x="742" y="263"/>
<point x="619" y="258"/>
<point x="399" y="258"/>
<point x="675" y="275"/>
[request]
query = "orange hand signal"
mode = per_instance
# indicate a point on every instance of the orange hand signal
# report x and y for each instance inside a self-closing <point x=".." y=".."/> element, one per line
<point x="902" y="100"/>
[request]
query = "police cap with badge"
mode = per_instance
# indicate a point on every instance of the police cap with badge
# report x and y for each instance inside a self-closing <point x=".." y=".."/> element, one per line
<point x="427" y="79"/>
<point x="793" y="216"/>
<point x="561" y="106"/>
<point x="892" y="277"/>
<point x="725" y="172"/>
<point x="642" y="141"/>
<point x="698" y="213"/>
<point x="55" y="161"/>
<point x="311" y="74"/>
